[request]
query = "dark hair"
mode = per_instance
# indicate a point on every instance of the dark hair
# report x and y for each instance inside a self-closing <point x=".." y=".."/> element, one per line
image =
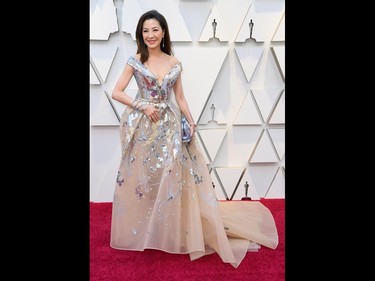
<point x="166" y="45"/>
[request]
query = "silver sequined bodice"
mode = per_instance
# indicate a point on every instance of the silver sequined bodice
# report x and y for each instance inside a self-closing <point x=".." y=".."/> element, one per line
<point x="148" y="84"/>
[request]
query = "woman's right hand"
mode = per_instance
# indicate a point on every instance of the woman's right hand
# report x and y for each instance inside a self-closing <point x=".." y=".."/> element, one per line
<point x="151" y="112"/>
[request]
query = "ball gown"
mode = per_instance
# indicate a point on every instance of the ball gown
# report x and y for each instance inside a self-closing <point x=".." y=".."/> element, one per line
<point x="164" y="198"/>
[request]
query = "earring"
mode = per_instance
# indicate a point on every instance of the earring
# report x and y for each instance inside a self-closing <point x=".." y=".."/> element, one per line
<point x="162" y="42"/>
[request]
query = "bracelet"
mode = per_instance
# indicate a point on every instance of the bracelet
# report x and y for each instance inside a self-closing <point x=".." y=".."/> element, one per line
<point x="134" y="102"/>
<point x="193" y="124"/>
<point x="141" y="105"/>
<point x="137" y="104"/>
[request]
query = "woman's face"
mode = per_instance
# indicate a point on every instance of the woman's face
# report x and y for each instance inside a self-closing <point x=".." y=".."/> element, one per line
<point x="152" y="33"/>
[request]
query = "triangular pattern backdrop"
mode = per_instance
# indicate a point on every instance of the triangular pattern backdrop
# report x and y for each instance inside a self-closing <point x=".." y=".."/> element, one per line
<point x="233" y="59"/>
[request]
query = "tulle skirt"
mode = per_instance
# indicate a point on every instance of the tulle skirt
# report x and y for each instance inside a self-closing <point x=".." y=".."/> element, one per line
<point x="164" y="198"/>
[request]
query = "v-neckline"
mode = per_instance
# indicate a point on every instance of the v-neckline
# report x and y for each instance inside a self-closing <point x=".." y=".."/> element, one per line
<point x="155" y="76"/>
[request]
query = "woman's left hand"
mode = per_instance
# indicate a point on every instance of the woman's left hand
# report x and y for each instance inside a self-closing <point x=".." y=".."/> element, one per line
<point x="193" y="128"/>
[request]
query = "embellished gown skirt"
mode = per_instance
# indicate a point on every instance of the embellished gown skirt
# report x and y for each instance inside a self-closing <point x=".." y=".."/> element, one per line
<point x="164" y="198"/>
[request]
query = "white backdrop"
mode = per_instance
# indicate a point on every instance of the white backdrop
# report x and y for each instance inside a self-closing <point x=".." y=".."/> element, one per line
<point x="242" y="78"/>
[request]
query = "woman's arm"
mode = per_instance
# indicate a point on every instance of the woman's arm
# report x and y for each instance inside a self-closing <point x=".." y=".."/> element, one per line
<point x="118" y="93"/>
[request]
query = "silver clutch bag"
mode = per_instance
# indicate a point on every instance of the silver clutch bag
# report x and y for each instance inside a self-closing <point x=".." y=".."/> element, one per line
<point x="185" y="129"/>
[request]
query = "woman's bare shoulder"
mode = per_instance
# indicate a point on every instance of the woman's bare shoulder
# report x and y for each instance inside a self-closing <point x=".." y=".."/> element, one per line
<point x="173" y="60"/>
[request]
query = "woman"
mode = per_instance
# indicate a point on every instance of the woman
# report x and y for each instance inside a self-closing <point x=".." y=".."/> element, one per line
<point x="164" y="197"/>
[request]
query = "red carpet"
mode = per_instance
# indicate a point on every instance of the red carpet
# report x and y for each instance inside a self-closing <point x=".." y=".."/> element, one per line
<point x="107" y="264"/>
